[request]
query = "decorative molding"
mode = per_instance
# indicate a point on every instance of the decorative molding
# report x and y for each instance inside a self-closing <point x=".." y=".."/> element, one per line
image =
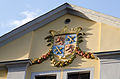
<point x="16" y="69"/>
<point x="15" y="62"/>
<point x="108" y="57"/>
<point x="107" y="53"/>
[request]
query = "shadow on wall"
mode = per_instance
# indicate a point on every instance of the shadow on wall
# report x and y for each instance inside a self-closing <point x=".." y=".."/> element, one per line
<point x="76" y="22"/>
<point x="86" y="25"/>
<point x="83" y="45"/>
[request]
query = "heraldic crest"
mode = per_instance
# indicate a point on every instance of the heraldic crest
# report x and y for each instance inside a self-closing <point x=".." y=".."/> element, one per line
<point x="64" y="46"/>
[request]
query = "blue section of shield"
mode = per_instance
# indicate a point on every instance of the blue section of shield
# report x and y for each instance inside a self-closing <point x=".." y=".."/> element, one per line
<point x="70" y="39"/>
<point x="58" y="50"/>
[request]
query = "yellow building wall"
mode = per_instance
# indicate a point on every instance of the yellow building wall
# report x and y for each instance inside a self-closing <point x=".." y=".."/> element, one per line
<point x="3" y="74"/>
<point x="110" y="38"/>
<point x="76" y="64"/>
<point x="17" y="49"/>
<point x="99" y="37"/>
<point x="91" y="43"/>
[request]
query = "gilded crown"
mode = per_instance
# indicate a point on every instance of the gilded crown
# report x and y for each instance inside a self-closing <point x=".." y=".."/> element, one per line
<point x="66" y="30"/>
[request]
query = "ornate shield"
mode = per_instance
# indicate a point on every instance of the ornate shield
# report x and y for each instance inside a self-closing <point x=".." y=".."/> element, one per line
<point x="64" y="45"/>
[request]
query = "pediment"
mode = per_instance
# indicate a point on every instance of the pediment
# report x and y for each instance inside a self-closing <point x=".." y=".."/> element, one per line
<point x="54" y="14"/>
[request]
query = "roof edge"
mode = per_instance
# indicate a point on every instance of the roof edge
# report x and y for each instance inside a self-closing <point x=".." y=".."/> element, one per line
<point x="15" y="62"/>
<point x="46" y="18"/>
<point x="28" y="25"/>
<point x="107" y="53"/>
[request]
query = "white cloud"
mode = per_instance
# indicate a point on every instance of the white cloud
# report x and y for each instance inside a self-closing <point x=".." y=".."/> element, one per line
<point x="28" y="16"/>
<point x="12" y="24"/>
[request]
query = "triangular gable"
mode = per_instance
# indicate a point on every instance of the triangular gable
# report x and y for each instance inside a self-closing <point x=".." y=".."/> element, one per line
<point x="54" y="14"/>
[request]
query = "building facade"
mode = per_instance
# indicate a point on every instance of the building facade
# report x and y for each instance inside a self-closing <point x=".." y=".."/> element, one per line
<point x="26" y="54"/>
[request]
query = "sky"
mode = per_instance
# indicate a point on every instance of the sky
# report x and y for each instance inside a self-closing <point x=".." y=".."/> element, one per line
<point x="14" y="13"/>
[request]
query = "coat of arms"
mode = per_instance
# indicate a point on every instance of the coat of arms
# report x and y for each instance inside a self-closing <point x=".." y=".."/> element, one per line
<point x="64" y="45"/>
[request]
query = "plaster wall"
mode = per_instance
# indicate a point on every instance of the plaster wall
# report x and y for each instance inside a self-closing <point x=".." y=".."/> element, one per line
<point x="110" y="38"/>
<point x="17" y="49"/>
<point x="78" y="63"/>
<point x="91" y="40"/>
<point x="99" y="37"/>
<point x="91" y="43"/>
